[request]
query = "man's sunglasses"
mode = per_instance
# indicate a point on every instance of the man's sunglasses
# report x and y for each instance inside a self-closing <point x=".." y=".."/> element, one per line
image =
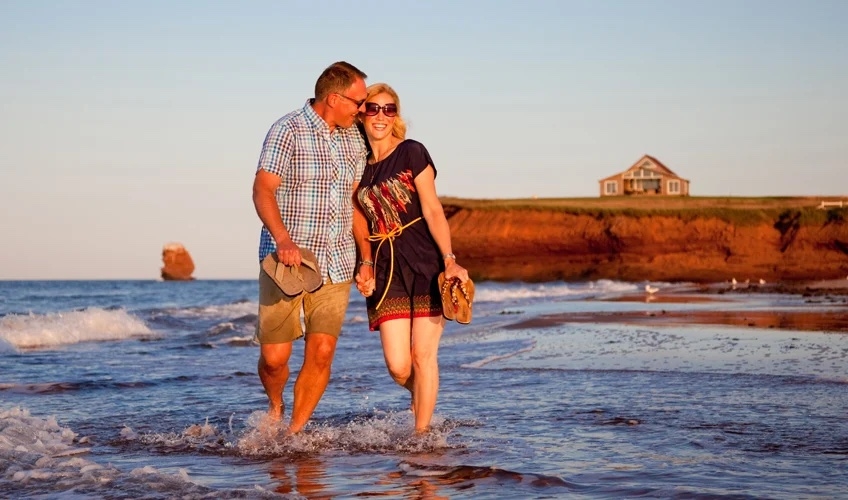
<point x="372" y="109"/>
<point x="351" y="99"/>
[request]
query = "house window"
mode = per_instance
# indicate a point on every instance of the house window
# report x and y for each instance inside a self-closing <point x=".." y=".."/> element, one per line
<point x="611" y="187"/>
<point x="673" y="187"/>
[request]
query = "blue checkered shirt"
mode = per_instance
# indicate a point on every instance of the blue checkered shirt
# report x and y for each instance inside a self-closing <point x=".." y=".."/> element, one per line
<point x="318" y="170"/>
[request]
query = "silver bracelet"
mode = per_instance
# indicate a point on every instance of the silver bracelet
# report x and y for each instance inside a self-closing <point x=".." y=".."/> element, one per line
<point x="448" y="256"/>
<point x="366" y="263"/>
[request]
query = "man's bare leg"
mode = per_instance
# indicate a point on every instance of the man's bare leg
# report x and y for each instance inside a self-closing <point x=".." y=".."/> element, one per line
<point x="313" y="378"/>
<point x="274" y="373"/>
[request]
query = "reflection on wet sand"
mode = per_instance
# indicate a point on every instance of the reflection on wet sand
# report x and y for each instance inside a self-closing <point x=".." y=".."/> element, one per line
<point x="306" y="476"/>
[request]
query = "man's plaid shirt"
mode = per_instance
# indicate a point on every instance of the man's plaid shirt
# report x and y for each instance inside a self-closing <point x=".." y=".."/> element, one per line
<point x="318" y="170"/>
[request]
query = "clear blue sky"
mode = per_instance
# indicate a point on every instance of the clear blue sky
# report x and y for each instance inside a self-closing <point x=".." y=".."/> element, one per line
<point x="128" y="125"/>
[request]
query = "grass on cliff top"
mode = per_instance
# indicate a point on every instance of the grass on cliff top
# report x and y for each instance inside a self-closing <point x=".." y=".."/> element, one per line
<point x="738" y="210"/>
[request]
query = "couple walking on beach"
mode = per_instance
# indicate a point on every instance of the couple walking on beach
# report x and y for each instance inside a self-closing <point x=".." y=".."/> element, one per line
<point x="338" y="178"/>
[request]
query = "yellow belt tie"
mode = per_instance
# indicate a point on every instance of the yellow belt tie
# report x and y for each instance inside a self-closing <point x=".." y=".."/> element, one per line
<point x="382" y="238"/>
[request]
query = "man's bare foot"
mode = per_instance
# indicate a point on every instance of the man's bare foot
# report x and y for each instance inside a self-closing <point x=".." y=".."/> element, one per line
<point x="291" y="431"/>
<point x="276" y="411"/>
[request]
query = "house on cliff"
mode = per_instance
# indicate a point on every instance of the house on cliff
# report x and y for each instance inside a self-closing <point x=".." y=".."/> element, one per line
<point x="648" y="176"/>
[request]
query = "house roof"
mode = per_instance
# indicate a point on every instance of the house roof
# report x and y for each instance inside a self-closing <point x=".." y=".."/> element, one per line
<point x="656" y="163"/>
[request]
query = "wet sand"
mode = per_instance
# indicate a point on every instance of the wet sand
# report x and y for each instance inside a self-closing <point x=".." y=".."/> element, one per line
<point x="825" y="309"/>
<point x="666" y="299"/>
<point x="814" y="321"/>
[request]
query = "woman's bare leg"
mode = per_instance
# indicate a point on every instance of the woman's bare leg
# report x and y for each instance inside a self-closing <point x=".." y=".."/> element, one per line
<point x="426" y="334"/>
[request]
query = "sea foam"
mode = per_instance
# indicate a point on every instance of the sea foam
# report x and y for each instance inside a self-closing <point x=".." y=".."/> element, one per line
<point x="37" y="453"/>
<point x="33" y="331"/>
<point x="486" y="292"/>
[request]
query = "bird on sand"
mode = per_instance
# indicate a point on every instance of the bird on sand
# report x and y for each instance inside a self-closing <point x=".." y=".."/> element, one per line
<point x="651" y="289"/>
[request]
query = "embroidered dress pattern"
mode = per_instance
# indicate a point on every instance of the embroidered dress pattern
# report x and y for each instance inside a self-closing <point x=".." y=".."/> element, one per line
<point x="386" y="201"/>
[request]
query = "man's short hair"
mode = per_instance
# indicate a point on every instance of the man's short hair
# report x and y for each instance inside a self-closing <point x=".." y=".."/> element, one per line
<point x="337" y="78"/>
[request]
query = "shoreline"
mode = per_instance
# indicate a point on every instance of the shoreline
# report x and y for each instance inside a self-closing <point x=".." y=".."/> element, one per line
<point x="825" y="309"/>
<point x="812" y="321"/>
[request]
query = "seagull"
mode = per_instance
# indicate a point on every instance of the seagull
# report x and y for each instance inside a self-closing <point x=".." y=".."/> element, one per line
<point x="651" y="289"/>
<point x="762" y="281"/>
<point x="733" y="281"/>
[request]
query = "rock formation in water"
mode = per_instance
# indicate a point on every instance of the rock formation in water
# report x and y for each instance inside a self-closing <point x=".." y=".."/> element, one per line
<point x="178" y="265"/>
<point x="541" y="244"/>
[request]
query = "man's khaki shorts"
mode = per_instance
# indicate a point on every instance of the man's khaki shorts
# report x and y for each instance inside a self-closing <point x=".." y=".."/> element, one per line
<point x="279" y="315"/>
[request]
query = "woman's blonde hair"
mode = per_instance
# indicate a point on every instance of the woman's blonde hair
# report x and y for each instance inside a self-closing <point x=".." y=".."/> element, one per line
<point x="399" y="126"/>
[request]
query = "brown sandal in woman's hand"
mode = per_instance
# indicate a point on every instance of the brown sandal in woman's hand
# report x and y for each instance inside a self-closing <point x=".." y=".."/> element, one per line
<point x="457" y="298"/>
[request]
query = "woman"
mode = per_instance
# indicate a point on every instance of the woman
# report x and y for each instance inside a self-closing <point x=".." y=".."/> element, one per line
<point x="404" y="242"/>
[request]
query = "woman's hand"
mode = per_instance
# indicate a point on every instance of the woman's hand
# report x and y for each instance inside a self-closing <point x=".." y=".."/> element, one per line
<point x="454" y="270"/>
<point x="365" y="281"/>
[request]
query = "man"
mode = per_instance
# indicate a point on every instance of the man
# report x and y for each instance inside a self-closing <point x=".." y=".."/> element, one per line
<point x="311" y="162"/>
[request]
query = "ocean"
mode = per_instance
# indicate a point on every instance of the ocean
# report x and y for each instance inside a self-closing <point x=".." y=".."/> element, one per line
<point x="148" y="389"/>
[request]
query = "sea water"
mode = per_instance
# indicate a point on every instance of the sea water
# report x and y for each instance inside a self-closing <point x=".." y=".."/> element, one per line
<point x="148" y="389"/>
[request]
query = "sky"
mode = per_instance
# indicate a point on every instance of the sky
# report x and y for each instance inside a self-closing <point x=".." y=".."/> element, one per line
<point x="125" y="126"/>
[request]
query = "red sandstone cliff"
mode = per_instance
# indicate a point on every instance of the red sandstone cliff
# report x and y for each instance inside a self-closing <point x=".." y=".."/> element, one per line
<point x="542" y="245"/>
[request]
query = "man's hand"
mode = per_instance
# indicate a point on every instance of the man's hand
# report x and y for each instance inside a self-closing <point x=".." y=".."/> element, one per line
<point x="365" y="281"/>
<point x="288" y="253"/>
